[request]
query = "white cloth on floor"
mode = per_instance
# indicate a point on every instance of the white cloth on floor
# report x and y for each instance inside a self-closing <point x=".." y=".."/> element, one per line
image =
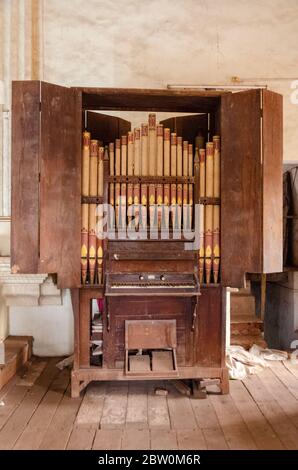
<point x="241" y="363"/>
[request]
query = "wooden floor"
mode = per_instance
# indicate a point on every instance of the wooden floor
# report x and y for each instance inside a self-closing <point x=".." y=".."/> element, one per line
<point x="36" y="412"/>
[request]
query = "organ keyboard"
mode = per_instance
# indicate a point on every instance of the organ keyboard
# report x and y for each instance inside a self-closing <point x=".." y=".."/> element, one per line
<point x="152" y="283"/>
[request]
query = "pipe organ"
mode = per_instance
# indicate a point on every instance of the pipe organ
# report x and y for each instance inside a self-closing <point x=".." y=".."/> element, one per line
<point x="147" y="226"/>
<point x="167" y="193"/>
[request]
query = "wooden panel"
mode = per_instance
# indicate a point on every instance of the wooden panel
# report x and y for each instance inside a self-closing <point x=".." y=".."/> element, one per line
<point x="184" y="351"/>
<point x="272" y="182"/>
<point x="145" y="246"/>
<point x="168" y="308"/>
<point x="208" y="335"/>
<point x="106" y="128"/>
<point x="188" y="126"/>
<point x="241" y="187"/>
<point x="60" y="183"/>
<point x="24" y="177"/>
<point x="127" y="266"/>
<point x="131" y="99"/>
<point x="150" y="334"/>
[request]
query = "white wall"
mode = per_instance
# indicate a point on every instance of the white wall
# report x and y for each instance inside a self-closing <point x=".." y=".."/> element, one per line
<point x="146" y="43"/>
<point x="50" y="326"/>
<point x="141" y="43"/>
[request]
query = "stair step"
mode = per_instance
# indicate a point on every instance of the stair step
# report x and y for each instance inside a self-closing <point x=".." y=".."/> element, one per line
<point x="243" y="305"/>
<point x="246" y="331"/>
<point x="246" y="325"/>
<point x="246" y="319"/>
<point x="246" y="341"/>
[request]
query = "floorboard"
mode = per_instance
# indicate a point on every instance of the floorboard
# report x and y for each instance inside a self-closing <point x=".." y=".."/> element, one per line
<point x="191" y="439"/>
<point x="59" y="431"/>
<point x="274" y="414"/>
<point x="236" y="433"/>
<point x="293" y="368"/>
<point x="137" y="406"/>
<point x="180" y="410"/>
<point x="286" y="377"/>
<point x="158" y="411"/>
<point x="282" y="395"/>
<point x="115" y="406"/>
<point x="37" y="412"/>
<point x="108" y="439"/>
<point x="162" y="439"/>
<point x="137" y="439"/>
<point x="261" y="431"/>
<point x="37" y="426"/>
<point x="20" y="418"/>
<point x="207" y="420"/>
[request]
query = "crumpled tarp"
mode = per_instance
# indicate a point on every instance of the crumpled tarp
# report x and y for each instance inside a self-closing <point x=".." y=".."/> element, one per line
<point x="242" y="363"/>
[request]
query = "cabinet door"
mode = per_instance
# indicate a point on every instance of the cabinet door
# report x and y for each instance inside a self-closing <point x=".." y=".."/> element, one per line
<point x="25" y="177"/>
<point x="188" y="126"/>
<point x="251" y="185"/>
<point x="272" y="139"/>
<point x="46" y="180"/>
<point x="106" y="128"/>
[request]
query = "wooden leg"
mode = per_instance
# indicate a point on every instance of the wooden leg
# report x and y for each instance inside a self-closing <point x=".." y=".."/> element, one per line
<point x="224" y="383"/>
<point x="75" y="386"/>
<point x="198" y="391"/>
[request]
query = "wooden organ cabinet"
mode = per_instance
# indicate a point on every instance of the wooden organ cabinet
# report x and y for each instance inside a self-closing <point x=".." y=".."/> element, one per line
<point x="159" y="318"/>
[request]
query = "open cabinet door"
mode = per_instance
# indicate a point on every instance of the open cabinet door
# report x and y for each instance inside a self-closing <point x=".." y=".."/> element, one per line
<point x="251" y="185"/>
<point x="188" y="126"/>
<point x="46" y="181"/>
<point x="106" y="128"/>
<point x="25" y="177"/>
<point x="272" y="139"/>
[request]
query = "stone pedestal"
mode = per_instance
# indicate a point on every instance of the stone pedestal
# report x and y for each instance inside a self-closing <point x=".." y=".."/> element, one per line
<point x="27" y="289"/>
<point x="23" y="290"/>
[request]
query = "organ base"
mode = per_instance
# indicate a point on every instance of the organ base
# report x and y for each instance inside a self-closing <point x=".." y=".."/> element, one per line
<point x="198" y="350"/>
<point x="80" y="378"/>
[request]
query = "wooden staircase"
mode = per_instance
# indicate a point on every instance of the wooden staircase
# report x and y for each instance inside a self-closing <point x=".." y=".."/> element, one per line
<point x="246" y="327"/>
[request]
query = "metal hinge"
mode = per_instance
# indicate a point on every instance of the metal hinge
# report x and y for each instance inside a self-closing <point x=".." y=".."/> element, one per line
<point x="40" y="106"/>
